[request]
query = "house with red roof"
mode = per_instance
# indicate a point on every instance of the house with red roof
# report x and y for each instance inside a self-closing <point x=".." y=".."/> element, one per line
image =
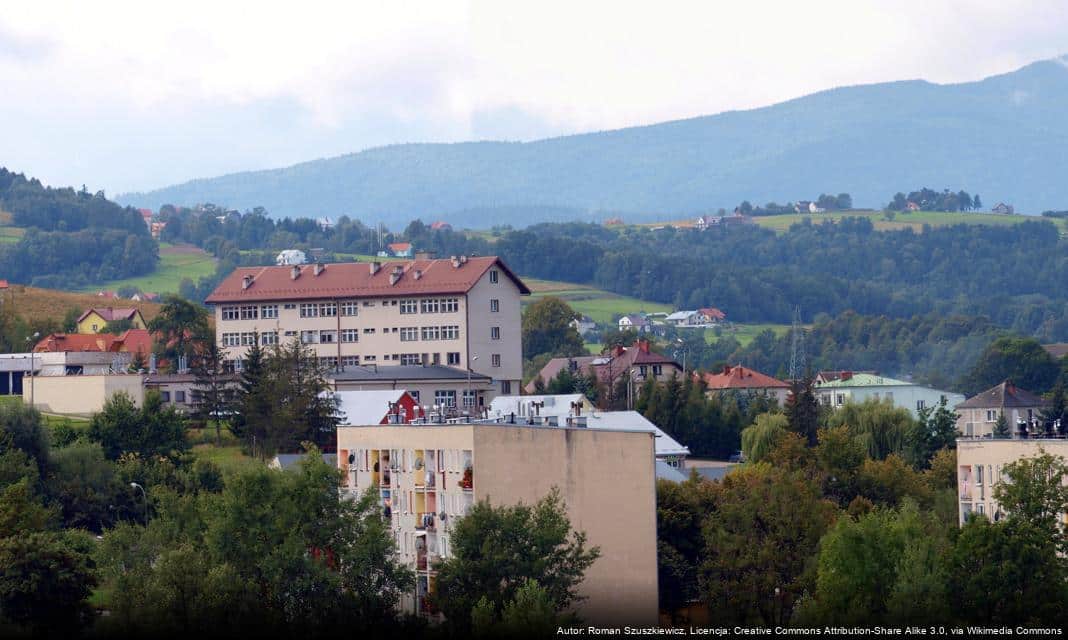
<point x="94" y="319"/>
<point x="400" y="249"/>
<point x="711" y="315"/>
<point x="739" y="379"/>
<point x="129" y="341"/>
<point x="642" y="362"/>
<point x="440" y="225"/>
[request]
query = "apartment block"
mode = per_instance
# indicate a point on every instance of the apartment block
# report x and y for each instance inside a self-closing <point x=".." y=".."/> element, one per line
<point x="427" y="476"/>
<point x="460" y="312"/>
<point x="980" y="467"/>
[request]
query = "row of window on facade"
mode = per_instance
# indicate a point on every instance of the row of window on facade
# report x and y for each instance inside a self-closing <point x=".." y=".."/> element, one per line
<point x="347" y="308"/>
<point x="452" y="359"/>
<point x="331" y="336"/>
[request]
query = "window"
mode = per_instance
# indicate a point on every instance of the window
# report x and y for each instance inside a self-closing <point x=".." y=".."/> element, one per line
<point x="450" y="305"/>
<point x="409" y="306"/>
<point x="179" y="396"/>
<point x="268" y="338"/>
<point x="495" y="305"/>
<point x="289" y="306"/>
<point x="920" y="405"/>
<point x="415" y="396"/>
<point x="430" y="305"/>
<point x="410" y="358"/>
<point x="445" y="398"/>
<point x="410" y="334"/>
<point x="658" y="369"/>
<point x="231" y="339"/>
<point x="979" y="474"/>
<point x="369" y="304"/>
<point x="643" y="370"/>
<point x="309" y="337"/>
<point x="328" y="362"/>
<point x="495" y="359"/>
<point x="452" y="358"/>
<point x="309" y="310"/>
<point x="95" y="328"/>
<point x="290" y="334"/>
<point x="350" y="308"/>
<point x="469" y="398"/>
<point x="368" y="330"/>
<point x="328" y="309"/>
<point x="165" y="396"/>
<point x="991" y="415"/>
<point x="495" y="276"/>
<point x="839" y="399"/>
<point x="495" y="333"/>
<point x="506" y="387"/>
<point x="228" y="313"/>
<point x="249" y="312"/>
<point x="328" y="337"/>
<point x="431" y="333"/>
<point x="269" y="311"/>
<point x="248" y="338"/>
<point x="450" y="332"/>
<point x="370" y="358"/>
<point x="350" y="335"/>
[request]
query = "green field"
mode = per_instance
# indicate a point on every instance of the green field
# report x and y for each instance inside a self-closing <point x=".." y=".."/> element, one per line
<point x="744" y="333"/>
<point x="902" y="220"/>
<point x="602" y="306"/>
<point x="175" y="263"/>
<point x="11" y="234"/>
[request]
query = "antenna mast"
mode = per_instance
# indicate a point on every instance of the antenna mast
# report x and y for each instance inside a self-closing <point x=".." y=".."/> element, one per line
<point x="798" y="363"/>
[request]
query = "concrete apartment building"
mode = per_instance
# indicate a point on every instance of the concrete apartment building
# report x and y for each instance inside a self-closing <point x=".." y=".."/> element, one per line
<point x="980" y="464"/>
<point x="427" y="475"/>
<point x="460" y="313"/>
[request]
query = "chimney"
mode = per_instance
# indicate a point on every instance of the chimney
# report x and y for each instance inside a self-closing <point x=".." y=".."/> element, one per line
<point x="375" y="266"/>
<point x="417" y="273"/>
<point x="319" y="268"/>
<point x="455" y="262"/>
<point x="726" y="369"/>
<point x="1010" y="388"/>
<point x="246" y="282"/>
<point x="463" y="259"/>
<point x="396" y="275"/>
<point x="643" y="345"/>
<point x="847" y="375"/>
<point x="294" y="272"/>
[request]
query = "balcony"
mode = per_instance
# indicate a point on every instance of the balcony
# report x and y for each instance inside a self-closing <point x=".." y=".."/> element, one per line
<point x="425" y="521"/>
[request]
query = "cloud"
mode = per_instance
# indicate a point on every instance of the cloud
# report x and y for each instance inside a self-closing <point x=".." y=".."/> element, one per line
<point x="130" y="95"/>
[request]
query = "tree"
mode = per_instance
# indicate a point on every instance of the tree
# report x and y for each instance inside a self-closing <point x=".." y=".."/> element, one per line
<point x="21" y="428"/>
<point x="530" y="542"/>
<point x="761" y="437"/>
<point x="213" y="393"/>
<point x="880" y="427"/>
<point x="86" y="487"/>
<point x="1055" y="417"/>
<point x="1001" y="426"/>
<point x="936" y="429"/>
<point x="1034" y="492"/>
<point x="681" y="509"/>
<point x="179" y="326"/>
<point x="759" y="542"/>
<point x="44" y="582"/>
<point x="1021" y="360"/>
<point x="803" y="410"/>
<point x="547" y="329"/>
<point x="530" y="614"/>
<point x="152" y="430"/>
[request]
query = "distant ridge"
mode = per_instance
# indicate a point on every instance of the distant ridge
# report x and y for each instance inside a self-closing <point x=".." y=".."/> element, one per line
<point x="1004" y="137"/>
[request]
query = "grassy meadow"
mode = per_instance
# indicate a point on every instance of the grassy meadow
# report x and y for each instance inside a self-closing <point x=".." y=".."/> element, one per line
<point x="175" y="263"/>
<point x="602" y="306"/>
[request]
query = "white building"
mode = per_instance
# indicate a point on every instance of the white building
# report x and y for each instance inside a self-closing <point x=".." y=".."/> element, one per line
<point x="859" y="387"/>
<point x="291" y="257"/>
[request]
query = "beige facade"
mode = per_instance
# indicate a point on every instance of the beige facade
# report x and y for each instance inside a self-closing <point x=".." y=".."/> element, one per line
<point x="980" y="465"/>
<point x="980" y="421"/>
<point x="480" y="327"/>
<point x="79" y="395"/>
<point x="430" y="475"/>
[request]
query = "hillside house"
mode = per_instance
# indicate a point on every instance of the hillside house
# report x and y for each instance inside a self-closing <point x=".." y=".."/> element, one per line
<point x="710" y="315"/>
<point x="1002" y="208"/>
<point x="291" y="257"/>
<point x="400" y="249"/>
<point x="94" y="319"/>
<point x="583" y="324"/>
<point x="440" y="225"/>
<point x="705" y="222"/>
<point x="635" y="322"/>
<point x="683" y="319"/>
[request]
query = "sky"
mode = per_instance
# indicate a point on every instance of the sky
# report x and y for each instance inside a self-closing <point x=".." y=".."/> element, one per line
<point x="127" y="96"/>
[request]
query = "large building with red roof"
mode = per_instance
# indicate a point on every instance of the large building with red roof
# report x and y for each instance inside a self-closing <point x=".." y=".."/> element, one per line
<point x="748" y="381"/>
<point x="130" y="341"/>
<point x="459" y="312"/>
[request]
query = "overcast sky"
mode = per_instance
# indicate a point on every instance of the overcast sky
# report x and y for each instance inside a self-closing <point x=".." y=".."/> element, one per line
<point x="134" y="95"/>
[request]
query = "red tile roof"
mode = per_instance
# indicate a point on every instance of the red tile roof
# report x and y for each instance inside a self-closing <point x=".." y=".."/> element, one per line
<point x="109" y="313"/>
<point x="608" y="367"/>
<point x="130" y="341"/>
<point x="739" y="377"/>
<point x="355" y="280"/>
<point x="3" y="284"/>
<point x="712" y="312"/>
<point x="146" y="213"/>
<point x="440" y="225"/>
<point x="400" y="246"/>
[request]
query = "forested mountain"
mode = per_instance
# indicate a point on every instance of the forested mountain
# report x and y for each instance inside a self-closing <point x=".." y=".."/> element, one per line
<point x="1005" y="137"/>
<point x="72" y="237"/>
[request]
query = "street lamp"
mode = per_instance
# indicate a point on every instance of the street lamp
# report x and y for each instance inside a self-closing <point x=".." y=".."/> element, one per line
<point x="32" y="341"/>
<point x="473" y="359"/>
<point x="685" y="349"/>
<point x="145" y="495"/>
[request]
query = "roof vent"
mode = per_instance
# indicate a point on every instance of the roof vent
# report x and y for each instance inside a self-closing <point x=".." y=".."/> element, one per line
<point x="395" y="277"/>
<point x="246" y="282"/>
<point x="463" y="259"/>
<point x="455" y="261"/>
<point x="294" y="273"/>
<point x="418" y="273"/>
<point x="375" y="267"/>
<point x="319" y="268"/>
